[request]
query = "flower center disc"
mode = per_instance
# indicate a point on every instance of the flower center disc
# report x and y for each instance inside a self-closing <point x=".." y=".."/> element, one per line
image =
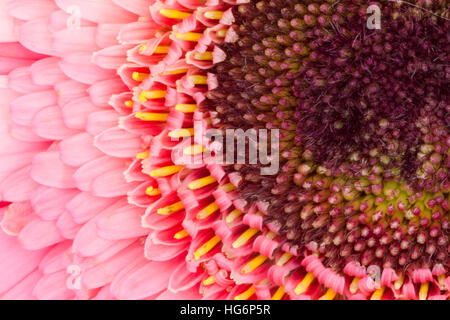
<point x="363" y="113"/>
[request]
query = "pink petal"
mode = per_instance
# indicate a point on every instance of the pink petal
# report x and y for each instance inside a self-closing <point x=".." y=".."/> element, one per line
<point x="100" y="11"/>
<point x="39" y="234"/>
<point x="76" y="112"/>
<point x="79" y="67"/>
<point x="53" y="287"/>
<point x="85" y="206"/>
<point x="104" y="273"/>
<point x="24" y="108"/>
<point x="46" y="72"/>
<point x="15" y="262"/>
<point x="78" y="149"/>
<point x="47" y="169"/>
<point x="24" y="289"/>
<point x="18" y="186"/>
<point x="147" y="280"/>
<point x="121" y="224"/>
<point x="50" y="203"/>
<point x="48" y="123"/>
<point x="119" y="143"/>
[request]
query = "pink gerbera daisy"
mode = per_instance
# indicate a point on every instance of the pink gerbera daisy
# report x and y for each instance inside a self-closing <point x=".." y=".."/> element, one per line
<point x="110" y="188"/>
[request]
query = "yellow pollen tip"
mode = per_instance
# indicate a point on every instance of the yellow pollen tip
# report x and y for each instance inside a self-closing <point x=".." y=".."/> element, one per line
<point x="246" y="294"/>
<point x="423" y="291"/>
<point x="244" y="237"/>
<point x="399" y="282"/>
<point x="304" y="284"/>
<point x="161" y="49"/>
<point x="186" y="108"/>
<point x="194" y="150"/>
<point x="233" y="215"/>
<point x="329" y="295"/>
<point x="174" y="14"/>
<point x="213" y="15"/>
<point x="285" y="257"/>
<point x="278" y="295"/>
<point x="198" y="79"/>
<point x="129" y="103"/>
<point x="222" y="33"/>
<point x="181" y="234"/>
<point x="152" y="191"/>
<point x="166" y="211"/>
<point x="354" y="285"/>
<point x="149" y="116"/>
<point x="152" y="94"/>
<point x="205" y="56"/>
<point x="210" y="280"/>
<point x="189" y="36"/>
<point x="207" y="211"/>
<point x="143" y="155"/>
<point x="173" y="72"/>
<point x="441" y="279"/>
<point x="202" y="182"/>
<point x="165" y="171"/>
<point x="206" y="247"/>
<point x="253" y="264"/>
<point x="228" y="187"/>
<point x="137" y="76"/>
<point x="377" y="294"/>
<point x="269" y="235"/>
<point x="181" y="133"/>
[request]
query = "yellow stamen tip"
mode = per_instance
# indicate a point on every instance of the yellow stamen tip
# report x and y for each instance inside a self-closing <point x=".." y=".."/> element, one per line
<point x="222" y="33"/>
<point x="137" y="76"/>
<point x="244" y="237"/>
<point x="152" y="94"/>
<point x="206" y="247"/>
<point x="278" y="295"/>
<point x="194" y="150"/>
<point x="423" y="291"/>
<point x="174" y="14"/>
<point x="177" y="206"/>
<point x="189" y="36"/>
<point x="304" y="284"/>
<point x="142" y="155"/>
<point x="152" y="191"/>
<point x="129" y="103"/>
<point x="202" y="182"/>
<point x="149" y="116"/>
<point x="253" y="264"/>
<point x="186" y="108"/>
<point x="204" y="56"/>
<point x="198" y="79"/>
<point x="213" y="15"/>
<point x="354" y="285"/>
<point x="285" y="257"/>
<point x="233" y="215"/>
<point x="246" y="294"/>
<point x="399" y="282"/>
<point x="165" y="171"/>
<point x="181" y="133"/>
<point x="161" y="49"/>
<point x="207" y="211"/>
<point x="377" y="294"/>
<point x="329" y="295"/>
<point x="210" y="280"/>
<point x="228" y="187"/>
<point x="173" y="72"/>
<point x="181" y="234"/>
